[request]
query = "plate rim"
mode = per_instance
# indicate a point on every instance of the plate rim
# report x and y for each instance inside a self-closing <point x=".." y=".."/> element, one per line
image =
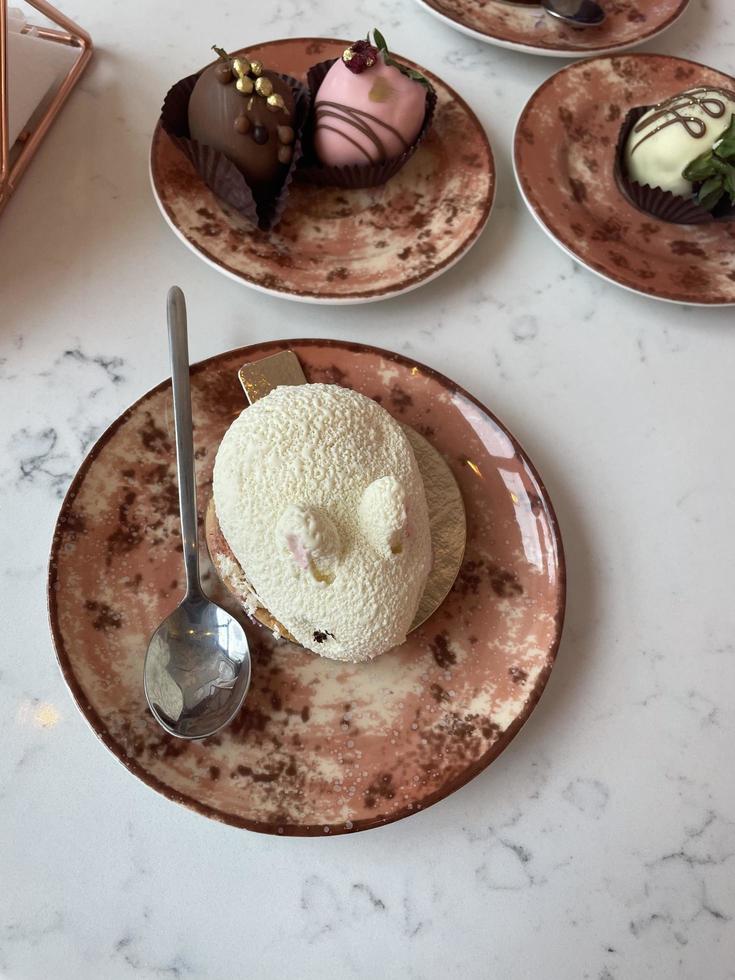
<point x="96" y="723"/>
<point x="553" y="52"/>
<point x="366" y="295"/>
<point x="560" y="243"/>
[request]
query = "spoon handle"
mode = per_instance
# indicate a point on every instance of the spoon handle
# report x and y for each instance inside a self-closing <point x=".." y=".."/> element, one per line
<point x="179" y="353"/>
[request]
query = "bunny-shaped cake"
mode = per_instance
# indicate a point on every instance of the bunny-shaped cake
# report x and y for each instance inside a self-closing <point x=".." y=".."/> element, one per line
<point x="320" y="501"/>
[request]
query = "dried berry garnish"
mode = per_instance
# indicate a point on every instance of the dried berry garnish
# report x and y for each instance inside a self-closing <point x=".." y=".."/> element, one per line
<point x="364" y="54"/>
<point x="359" y="56"/>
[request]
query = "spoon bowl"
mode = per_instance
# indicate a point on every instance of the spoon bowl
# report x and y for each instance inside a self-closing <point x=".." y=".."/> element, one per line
<point x="197" y="667"/>
<point x="576" y="13"/>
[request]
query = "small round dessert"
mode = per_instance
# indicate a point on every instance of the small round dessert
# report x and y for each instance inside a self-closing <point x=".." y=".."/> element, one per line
<point x="671" y="135"/>
<point x="247" y="113"/>
<point x="319" y="498"/>
<point x="367" y="109"/>
<point x="676" y="160"/>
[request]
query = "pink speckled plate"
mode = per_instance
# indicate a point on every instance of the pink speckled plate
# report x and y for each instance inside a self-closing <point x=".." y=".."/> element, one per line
<point x="525" y="26"/>
<point x="320" y="746"/>
<point x="564" y="155"/>
<point x="335" y="245"/>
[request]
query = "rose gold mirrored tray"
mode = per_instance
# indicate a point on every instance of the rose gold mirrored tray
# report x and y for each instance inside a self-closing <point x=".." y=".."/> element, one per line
<point x="321" y="746"/>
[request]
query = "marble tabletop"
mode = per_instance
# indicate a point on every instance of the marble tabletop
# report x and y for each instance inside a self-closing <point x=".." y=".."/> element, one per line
<point x="601" y="844"/>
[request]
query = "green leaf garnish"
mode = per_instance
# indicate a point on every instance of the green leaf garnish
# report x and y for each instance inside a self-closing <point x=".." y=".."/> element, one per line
<point x="729" y="182"/>
<point x="415" y="75"/>
<point x="710" y="193"/>
<point x="701" y="168"/>
<point x="379" y="41"/>
<point x="714" y="170"/>
<point x="725" y="145"/>
<point x="382" y="45"/>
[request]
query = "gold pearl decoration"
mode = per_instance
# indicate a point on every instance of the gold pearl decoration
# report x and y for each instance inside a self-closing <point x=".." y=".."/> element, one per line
<point x="244" y="83"/>
<point x="264" y="86"/>
<point x="275" y="102"/>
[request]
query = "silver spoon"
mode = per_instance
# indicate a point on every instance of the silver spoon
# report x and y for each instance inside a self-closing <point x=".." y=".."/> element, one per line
<point x="197" y="668"/>
<point x="577" y="13"/>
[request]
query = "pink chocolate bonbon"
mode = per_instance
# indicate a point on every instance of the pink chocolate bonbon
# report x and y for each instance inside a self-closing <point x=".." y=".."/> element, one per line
<point x="367" y="117"/>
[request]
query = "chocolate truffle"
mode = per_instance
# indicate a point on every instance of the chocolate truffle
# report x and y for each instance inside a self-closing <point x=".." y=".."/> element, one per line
<point x="241" y="118"/>
<point x="367" y="109"/>
<point x="673" y="134"/>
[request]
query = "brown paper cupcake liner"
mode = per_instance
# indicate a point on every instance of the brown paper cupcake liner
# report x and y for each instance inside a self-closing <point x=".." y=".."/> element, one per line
<point x="355" y="175"/>
<point x="654" y="201"/>
<point x="217" y="171"/>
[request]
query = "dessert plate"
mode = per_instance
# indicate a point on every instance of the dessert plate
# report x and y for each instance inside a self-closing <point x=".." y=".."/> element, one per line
<point x="335" y="245"/>
<point x="320" y="746"/>
<point x="525" y="26"/>
<point x="564" y="151"/>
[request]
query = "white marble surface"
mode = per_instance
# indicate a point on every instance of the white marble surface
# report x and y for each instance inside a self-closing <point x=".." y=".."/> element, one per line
<point x="602" y="843"/>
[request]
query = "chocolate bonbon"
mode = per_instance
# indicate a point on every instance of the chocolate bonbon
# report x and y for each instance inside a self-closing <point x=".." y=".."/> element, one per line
<point x="367" y="109"/>
<point x="238" y="119"/>
<point x="676" y="160"/>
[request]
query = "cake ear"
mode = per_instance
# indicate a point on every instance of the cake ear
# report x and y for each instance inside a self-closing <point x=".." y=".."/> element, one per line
<point x="308" y="534"/>
<point x="383" y="516"/>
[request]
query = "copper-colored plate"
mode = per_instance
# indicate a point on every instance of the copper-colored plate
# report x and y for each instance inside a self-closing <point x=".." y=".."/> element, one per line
<point x="335" y="245"/>
<point x="564" y="155"/>
<point x="320" y="746"/>
<point x="525" y="26"/>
